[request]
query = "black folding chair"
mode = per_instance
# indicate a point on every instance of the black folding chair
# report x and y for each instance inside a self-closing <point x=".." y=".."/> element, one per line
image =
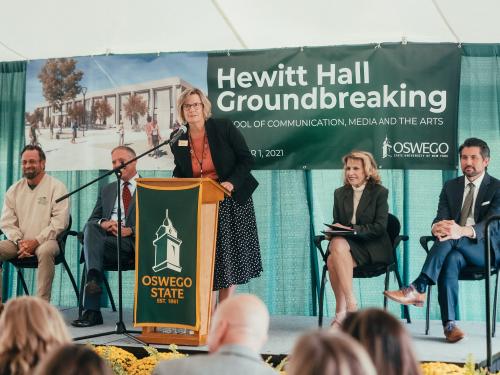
<point x="369" y="270"/>
<point x="32" y="262"/>
<point x="468" y="273"/>
<point x="125" y="266"/>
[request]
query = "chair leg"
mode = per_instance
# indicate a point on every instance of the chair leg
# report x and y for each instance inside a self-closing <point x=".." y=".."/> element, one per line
<point x="321" y="296"/>
<point x="72" y="279"/>
<point x="82" y="289"/>
<point x="495" y="308"/>
<point x="428" y="310"/>
<point x="110" y="295"/>
<point x="20" y="277"/>
<point x="386" y="287"/>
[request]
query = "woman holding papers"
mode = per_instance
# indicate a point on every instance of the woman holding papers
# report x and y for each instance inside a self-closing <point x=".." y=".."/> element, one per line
<point x="361" y="207"/>
<point x="214" y="148"/>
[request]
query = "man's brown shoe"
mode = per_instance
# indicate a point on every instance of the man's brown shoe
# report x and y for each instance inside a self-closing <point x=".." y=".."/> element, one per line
<point x="453" y="333"/>
<point x="406" y="296"/>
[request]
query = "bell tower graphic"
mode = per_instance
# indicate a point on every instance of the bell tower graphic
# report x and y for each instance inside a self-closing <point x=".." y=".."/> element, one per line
<point x="167" y="247"/>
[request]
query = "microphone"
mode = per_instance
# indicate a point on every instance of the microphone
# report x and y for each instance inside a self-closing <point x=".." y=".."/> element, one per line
<point x="182" y="130"/>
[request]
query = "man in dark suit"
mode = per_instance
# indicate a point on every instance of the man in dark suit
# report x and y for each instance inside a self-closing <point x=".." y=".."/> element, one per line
<point x="100" y="234"/>
<point x="465" y="204"/>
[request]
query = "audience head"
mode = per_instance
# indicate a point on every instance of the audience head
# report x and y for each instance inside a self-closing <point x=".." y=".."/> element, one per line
<point x="73" y="359"/>
<point x="29" y="328"/>
<point x="329" y="353"/>
<point x="360" y="167"/>
<point x="242" y="319"/>
<point x="385" y="339"/>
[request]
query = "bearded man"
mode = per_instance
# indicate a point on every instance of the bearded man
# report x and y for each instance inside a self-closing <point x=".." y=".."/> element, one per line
<point x="31" y="219"/>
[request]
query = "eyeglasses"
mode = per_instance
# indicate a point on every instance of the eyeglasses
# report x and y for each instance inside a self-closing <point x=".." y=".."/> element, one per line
<point x="187" y="107"/>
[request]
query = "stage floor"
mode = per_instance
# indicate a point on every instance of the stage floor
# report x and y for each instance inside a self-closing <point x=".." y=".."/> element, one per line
<point x="284" y="331"/>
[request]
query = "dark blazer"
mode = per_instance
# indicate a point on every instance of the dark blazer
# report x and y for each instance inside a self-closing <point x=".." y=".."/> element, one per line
<point x="230" y="154"/>
<point x="105" y="204"/>
<point x="487" y="204"/>
<point x="371" y="219"/>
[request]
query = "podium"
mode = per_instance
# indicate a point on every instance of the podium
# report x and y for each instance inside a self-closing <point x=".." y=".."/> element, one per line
<point x="176" y="233"/>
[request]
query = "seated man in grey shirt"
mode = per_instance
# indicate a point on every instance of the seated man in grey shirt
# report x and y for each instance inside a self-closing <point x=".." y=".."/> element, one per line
<point x="237" y="334"/>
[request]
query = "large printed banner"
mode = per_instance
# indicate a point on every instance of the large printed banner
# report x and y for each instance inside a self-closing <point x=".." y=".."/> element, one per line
<point x="306" y="108"/>
<point x="297" y="108"/>
<point x="166" y="257"/>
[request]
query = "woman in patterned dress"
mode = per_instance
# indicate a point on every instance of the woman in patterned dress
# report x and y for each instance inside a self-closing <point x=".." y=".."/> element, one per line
<point x="214" y="148"/>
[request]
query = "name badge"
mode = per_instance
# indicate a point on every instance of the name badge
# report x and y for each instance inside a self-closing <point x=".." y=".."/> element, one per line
<point x="183" y="143"/>
<point x="485" y="203"/>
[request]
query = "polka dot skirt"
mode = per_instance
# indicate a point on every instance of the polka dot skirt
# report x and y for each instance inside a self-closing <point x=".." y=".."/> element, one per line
<point x="237" y="254"/>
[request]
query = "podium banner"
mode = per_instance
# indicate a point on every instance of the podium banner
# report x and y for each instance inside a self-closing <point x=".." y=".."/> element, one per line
<point x="167" y="256"/>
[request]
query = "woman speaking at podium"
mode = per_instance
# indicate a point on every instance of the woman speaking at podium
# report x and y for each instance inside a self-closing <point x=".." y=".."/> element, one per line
<point x="214" y="148"/>
<point x="360" y="210"/>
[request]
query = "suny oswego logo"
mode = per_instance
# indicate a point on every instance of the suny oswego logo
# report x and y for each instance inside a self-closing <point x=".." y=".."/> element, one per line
<point x="408" y="149"/>
<point x="167" y="289"/>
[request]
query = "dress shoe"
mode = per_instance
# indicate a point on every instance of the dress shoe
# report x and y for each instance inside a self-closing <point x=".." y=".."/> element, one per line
<point x="453" y="333"/>
<point x="406" y="296"/>
<point x="92" y="288"/>
<point x="90" y="318"/>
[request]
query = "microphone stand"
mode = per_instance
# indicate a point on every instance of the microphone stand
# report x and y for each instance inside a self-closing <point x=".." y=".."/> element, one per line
<point x="120" y="328"/>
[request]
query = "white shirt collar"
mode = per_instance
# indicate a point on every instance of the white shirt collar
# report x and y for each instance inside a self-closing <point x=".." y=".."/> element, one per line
<point x="132" y="182"/>
<point x="477" y="182"/>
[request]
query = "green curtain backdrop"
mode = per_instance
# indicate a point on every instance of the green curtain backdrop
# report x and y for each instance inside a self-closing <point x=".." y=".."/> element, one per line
<point x="12" y="90"/>
<point x="291" y="207"/>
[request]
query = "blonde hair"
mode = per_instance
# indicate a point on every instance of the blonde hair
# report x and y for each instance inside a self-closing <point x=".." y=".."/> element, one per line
<point x="369" y="166"/>
<point x="329" y="353"/>
<point x="207" y="106"/>
<point x="29" y="328"/>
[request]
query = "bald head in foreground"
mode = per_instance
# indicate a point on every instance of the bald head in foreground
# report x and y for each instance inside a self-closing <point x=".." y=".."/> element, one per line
<point x="237" y="334"/>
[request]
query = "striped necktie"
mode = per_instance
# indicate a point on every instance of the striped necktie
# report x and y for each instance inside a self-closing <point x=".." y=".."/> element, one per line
<point x="126" y="196"/>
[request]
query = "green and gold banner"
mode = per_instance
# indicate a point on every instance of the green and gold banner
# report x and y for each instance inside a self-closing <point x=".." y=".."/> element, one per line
<point x="298" y="108"/>
<point x="304" y="108"/>
<point x="167" y="256"/>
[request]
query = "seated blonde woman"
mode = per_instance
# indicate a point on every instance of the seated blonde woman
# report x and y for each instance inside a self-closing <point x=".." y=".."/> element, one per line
<point x="29" y="329"/>
<point x="329" y="353"/>
<point x="360" y="205"/>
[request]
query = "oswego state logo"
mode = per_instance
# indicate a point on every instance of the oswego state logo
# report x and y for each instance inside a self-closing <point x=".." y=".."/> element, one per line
<point x="408" y="149"/>
<point x="167" y="247"/>
<point x="386" y="148"/>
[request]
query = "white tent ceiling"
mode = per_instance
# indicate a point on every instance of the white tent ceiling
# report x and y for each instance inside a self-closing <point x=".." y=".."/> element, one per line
<point x="53" y="28"/>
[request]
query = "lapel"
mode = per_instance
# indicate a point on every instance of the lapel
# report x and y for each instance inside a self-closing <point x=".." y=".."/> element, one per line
<point x="184" y="155"/>
<point x="480" y="195"/>
<point x="457" y="195"/>
<point x="364" y="201"/>
<point x="110" y="200"/>
<point x="348" y="208"/>
<point x="210" y="128"/>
